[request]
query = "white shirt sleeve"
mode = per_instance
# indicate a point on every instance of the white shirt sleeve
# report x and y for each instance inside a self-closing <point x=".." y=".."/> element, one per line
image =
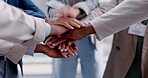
<point x="21" y="29"/>
<point x="48" y="29"/>
<point x="30" y="50"/>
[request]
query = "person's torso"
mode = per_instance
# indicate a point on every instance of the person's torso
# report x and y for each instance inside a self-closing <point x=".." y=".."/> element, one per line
<point x="122" y="53"/>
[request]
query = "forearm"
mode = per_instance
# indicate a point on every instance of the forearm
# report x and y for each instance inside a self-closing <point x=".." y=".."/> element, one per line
<point x="120" y="17"/>
<point x="88" y="30"/>
<point x="18" y="27"/>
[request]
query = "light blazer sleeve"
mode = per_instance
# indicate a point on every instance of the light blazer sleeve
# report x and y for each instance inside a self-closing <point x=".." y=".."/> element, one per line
<point x="122" y="16"/>
<point x="87" y="5"/>
<point x="20" y="29"/>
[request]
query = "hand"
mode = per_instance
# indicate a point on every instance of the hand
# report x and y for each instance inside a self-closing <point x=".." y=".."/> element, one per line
<point x="40" y="48"/>
<point x="52" y="42"/>
<point x="63" y="45"/>
<point x="68" y="11"/>
<point x="78" y="34"/>
<point x="68" y="47"/>
<point x="69" y="23"/>
<point x="57" y="30"/>
<point x="69" y="53"/>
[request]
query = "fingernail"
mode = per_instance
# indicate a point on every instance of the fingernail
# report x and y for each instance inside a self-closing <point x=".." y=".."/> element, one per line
<point x="65" y="56"/>
<point x="65" y="49"/>
<point x="53" y="44"/>
<point x="61" y="50"/>
<point x="73" y="54"/>
<point x="72" y="28"/>
<point x="76" y="54"/>
<point x="79" y="26"/>
<point x="49" y="42"/>
<point x="83" y="24"/>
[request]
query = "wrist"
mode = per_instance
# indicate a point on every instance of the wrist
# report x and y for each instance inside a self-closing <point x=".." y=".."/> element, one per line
<point x="89" y="29"/>
<point x="78" y="12"/>
<point x="52" y="30"/>
<point x="81" y="14"/>
<point x="50" y="20"/>
<point x="38" y="48"/>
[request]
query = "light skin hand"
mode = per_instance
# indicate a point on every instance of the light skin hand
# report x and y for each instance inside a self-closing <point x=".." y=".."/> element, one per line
<point x="68" y="11"/>
<point x="78" y="34"/>
<point x="69" y="23"/>
<point x="40" y="48"/>
<point x="57" y="30"/>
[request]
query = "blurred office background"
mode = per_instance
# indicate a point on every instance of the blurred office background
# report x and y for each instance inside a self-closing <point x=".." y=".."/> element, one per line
<point x="40" y="66"/>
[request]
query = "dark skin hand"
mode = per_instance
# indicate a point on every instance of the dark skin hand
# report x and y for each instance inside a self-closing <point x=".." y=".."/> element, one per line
<point x="78" y="34"/>
<point x="63" y="45"/>
<point x="54" y="53"/>
<point x="40" y="48"/>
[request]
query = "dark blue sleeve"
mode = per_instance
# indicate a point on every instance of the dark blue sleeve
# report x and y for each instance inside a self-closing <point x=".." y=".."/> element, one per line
<point x="30" y="8"/>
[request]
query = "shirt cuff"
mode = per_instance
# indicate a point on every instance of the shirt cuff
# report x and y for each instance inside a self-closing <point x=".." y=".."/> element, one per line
<point x="30" y="50"/>
<point x="48" y="30"/>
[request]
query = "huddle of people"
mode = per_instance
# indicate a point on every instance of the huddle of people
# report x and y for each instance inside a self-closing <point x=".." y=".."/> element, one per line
<point x="128" y="58"/>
